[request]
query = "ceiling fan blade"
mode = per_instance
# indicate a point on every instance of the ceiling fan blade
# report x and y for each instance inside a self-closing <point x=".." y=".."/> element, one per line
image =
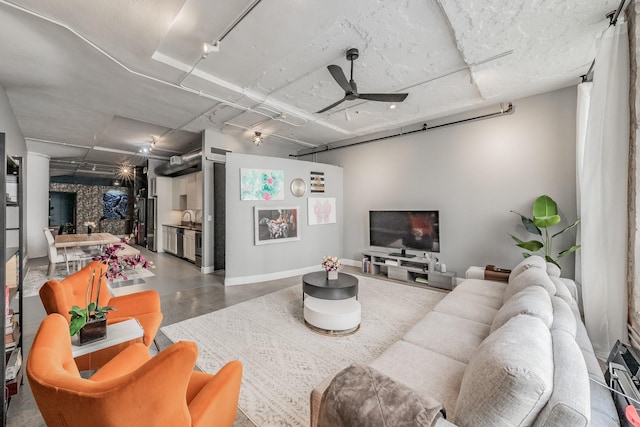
<point x="384" y="97"/>
<point x="339" y="77"/>
<point x="332" y="105"/>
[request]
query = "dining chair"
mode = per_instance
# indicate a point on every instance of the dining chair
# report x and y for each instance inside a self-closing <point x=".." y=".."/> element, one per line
<point x="131" y="389"/>
<point x="56" y="257"/>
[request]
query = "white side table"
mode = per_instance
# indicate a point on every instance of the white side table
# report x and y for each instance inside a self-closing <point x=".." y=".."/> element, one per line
<point x="117" y="333"/>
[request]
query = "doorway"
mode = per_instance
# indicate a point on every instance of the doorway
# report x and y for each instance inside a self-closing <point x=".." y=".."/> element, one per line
<point x="62" y="208"/>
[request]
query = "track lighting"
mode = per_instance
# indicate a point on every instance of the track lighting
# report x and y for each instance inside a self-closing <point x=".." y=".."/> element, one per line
<point x="257" y="139"/>
<point x="207" y="48"/>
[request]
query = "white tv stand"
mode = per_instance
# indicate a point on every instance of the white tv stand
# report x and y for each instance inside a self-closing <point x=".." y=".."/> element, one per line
<point x="414" y="269"/>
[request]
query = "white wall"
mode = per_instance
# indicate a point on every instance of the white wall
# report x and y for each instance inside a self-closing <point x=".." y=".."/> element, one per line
<point x="247" y="262"/>
<point x="15" y="145"/>
<point x="474" y="174"/>
<point x="37" y="197"/>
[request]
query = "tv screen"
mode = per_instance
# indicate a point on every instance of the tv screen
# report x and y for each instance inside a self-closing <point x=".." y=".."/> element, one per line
<point x="416" y="230"/>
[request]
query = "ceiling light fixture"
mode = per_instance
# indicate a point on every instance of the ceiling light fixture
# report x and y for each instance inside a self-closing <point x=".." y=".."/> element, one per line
<point x="257" y="139"/>
<point x="208" y="47"/>
<point x="392" y="106"/>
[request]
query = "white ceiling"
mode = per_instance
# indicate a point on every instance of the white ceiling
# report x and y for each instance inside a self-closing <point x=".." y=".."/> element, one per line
<point x="88" y="76"/>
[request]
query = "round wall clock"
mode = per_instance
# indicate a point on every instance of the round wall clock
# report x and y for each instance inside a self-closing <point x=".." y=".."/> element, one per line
<point x="298" y="187"/>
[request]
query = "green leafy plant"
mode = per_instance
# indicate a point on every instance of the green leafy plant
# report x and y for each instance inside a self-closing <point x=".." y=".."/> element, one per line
<point x="92" y="310"/>
<point x="545" y="215"/>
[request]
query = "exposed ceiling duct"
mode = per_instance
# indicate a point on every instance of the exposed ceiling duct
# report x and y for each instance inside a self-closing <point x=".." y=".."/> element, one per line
<point x="178" y="165"/>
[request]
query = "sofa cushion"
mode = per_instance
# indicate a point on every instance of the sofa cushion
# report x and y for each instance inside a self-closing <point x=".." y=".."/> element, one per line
<point x="569" y="404"/>
<point x="510" y="378"/>
<point x="427" y="372"/>
<point x="467" y="307"/>
<point x="448" y="335"/>
<point x="530" y="277"/>
<point x="534" y="261"/>
<point x="532" y="301"/>
<point x="563" y="318"/>
<point x="360" y="393"/>
<point x="561" y="290"/>
<point x="483" y="287"/>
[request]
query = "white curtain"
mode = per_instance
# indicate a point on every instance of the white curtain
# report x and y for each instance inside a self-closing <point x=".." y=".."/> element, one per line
<point x="603" y="156"/>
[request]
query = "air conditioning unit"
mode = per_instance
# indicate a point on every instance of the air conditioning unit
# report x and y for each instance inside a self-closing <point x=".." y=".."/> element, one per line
<point x="175" y="160"/>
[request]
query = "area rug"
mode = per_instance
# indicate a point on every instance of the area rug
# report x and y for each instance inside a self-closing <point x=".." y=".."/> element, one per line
<point x="283" y="359"/>
<point x="36" y="276"/>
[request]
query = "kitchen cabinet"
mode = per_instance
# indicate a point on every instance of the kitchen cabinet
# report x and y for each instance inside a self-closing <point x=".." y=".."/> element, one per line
<point x="179" y="193"/>
<point x="190" y="245"/>
<point x="193" y="184"/>
<point x="170" y="239"/>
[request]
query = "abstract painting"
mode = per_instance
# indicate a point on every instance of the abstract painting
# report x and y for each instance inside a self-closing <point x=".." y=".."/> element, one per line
<point x="114" y="204"/>
<point x="321" y="210"/>
<point x="261" y="184"/>
<point x="276" y="225"/>
<point x="317" y="182"/>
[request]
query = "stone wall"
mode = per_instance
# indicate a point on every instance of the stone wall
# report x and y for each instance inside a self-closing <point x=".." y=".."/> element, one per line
<point x="90" y="207"/>
<point x="633" y="273"/>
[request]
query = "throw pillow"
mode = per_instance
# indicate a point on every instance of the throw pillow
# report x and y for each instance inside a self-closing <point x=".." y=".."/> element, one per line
<point x="510" y="378"/>
<point x="360" y="395"/>
<point x="534" y="261"/>
<point x="532" y="301"/>
<point x="530" y="277"/>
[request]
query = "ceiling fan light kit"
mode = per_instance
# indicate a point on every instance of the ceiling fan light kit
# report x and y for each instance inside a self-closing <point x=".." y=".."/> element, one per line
<point x="257" y="139"/>
<point x="351" y="89"/>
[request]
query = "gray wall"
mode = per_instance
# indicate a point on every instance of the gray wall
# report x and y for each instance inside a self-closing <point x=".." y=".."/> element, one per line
<point x="247" y="262"/>
<point x="474" y="174"/>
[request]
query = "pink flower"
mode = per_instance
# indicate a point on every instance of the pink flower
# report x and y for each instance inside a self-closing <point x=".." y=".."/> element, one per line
<point x="266" y="196"/>
<point x="270" y="181"/>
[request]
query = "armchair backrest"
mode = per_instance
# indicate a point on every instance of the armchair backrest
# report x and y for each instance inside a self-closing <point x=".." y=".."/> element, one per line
<point x="52" y="252"/>
<point x="58" y="296"/>
<point x="151" y="394"/>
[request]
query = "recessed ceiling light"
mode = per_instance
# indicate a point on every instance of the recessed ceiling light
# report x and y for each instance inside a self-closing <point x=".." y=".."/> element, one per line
<point x="392" y="106"/>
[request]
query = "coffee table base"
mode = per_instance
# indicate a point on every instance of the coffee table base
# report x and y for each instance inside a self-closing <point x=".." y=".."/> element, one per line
<point x="332" y="317"/>
<point x="342" y="333"/>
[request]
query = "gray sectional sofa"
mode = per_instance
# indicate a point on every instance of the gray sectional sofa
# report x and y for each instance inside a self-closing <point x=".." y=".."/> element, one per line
<point x="489" y="354"/>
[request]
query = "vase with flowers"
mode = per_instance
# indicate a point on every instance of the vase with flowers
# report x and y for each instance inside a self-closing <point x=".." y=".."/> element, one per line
<point x="331" y="264"/>
<point x="90" y="226"/>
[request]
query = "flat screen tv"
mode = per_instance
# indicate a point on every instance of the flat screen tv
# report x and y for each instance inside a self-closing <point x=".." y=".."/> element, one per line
<point x="413" y="230"/>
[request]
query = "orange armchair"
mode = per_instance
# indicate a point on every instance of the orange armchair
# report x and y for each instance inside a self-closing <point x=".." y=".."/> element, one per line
<point x="132" y="388"/>
<point x="60" y="296"/>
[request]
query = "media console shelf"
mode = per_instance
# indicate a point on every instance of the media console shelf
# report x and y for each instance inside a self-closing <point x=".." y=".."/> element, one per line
<point x="415" y="269"/>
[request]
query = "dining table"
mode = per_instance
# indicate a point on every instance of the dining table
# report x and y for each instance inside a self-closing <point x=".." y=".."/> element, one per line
<point x="64" y="241"/>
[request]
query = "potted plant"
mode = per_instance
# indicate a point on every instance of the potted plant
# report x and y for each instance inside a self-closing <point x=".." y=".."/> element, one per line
<point x="331" y="264"/>
<point x="545" y="215"/>
<point x="90" y="321"/>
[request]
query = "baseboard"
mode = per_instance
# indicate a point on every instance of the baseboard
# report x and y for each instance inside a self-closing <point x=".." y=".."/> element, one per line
<point x="245" y="280"/>
<point x="351" y="262"/>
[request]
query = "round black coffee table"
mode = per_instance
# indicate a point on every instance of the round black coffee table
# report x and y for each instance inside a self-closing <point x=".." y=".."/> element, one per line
<point x="318" y="286"/>
<point x="331" y="306"/>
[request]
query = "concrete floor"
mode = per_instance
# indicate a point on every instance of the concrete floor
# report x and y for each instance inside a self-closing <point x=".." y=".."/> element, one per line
<point x="184" y="293"/>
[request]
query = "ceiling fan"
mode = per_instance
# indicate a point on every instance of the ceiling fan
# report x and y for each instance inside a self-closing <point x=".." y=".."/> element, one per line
<point x="351" y="89"/>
